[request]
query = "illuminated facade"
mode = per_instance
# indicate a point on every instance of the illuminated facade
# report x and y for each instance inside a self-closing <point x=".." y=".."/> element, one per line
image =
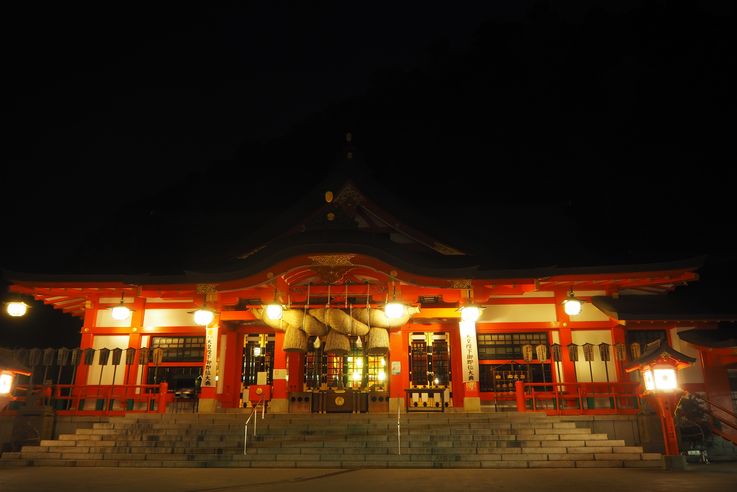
<point x="335" y="349"/>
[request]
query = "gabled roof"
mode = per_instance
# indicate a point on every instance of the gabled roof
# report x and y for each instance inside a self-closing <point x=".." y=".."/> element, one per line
<point x="662" y="352"/>
<point x="722" y="336"/>
<point x="658" y="308"/>
<point x="9" y="362"/>
<point x="345" y="209"/>
<point x="350" y="222"/>
<point x="337" y="219"/>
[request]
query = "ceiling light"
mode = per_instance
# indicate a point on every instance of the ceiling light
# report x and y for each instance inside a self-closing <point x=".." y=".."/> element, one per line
<point x="121" y="311"/>
<point x="16" y="309"/>
<point x="572" y="305"/>
<point x="203" y="316"/>
<point x="470" y="313"/>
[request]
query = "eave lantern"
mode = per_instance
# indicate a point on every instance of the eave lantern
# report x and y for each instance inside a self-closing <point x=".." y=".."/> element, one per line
<point x="16" y="309"/>
<point x="204" y="315"/>
<point x="120" y="312"/>
<point x="572" y="305"/>
<point x="394" y="309"/>
<point x="470" y="312"/>
<point x="274" y="310"/>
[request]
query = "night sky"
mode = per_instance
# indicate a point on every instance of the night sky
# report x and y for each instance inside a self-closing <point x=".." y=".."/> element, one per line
<point x="580" y="134"/>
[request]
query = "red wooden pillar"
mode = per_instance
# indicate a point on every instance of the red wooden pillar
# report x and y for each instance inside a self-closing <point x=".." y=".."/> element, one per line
<point x="565" y="337"/>
<point x="231" y="374"/>
<point x="519" y="396"/>
<point x="279" y="402"/>
<point x="618" y="336"/>
<point x="134" y="339"/>
<point x="666" y="407"/>
<point x="86" y="341"/>
<point x="296" y="368"/>
<point x="398" y="346"/>
<point x="456" y="367"/>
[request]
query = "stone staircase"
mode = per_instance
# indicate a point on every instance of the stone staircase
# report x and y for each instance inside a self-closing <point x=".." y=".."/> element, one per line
<point x="427" y="440"/>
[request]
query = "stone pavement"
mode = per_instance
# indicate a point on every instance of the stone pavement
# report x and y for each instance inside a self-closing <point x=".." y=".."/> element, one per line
<point x="702" y="478"/>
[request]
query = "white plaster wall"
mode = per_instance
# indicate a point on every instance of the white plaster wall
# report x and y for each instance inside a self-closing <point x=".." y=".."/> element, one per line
<point x="694" y="373"/>
<point x="168" y="317"/>
<point x="518" y="313"/>
<point x="595" y="337"/>
<point x="105" y="319"/>
<point x="589" y="312"/>
<point x="110" y="342"/>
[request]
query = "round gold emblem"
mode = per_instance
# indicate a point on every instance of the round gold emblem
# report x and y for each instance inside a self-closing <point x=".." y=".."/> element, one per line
<point x="339" y="401"/>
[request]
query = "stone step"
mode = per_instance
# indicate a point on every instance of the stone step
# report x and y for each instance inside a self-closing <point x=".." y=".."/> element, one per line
<point x="330" y="441"/>
<point x="398" y="461"/>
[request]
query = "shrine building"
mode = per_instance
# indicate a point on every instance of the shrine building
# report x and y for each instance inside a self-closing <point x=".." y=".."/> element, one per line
<point x="350" y="309"/>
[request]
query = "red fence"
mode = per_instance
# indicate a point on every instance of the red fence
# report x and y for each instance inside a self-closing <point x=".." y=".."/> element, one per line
<point x="67" y="399"/>
<point x="578" y="398"/>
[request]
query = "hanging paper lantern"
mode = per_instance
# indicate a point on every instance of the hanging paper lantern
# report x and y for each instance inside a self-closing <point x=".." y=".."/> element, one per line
<point x="542" y="352"/>
<point x="130" y="356"/>
<point x="75" y="357"/>
<point x="62" y="356"/>
<point x="620" y="351"/>
<point x="117" y="353"/>
<point x="588" y="352"/>
<point x="104" y="356"/>
<point x="89" y="356"/>
<point x="527" y="352"/>
<point x="556" y="353"/>
<point x="636" y="350"/>
<point x="144" y="355"/>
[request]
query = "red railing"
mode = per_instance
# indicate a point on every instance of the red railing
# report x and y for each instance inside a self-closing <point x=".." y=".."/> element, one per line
<point x="717" y="421"/>
<point x="578" y="398"/>
<point x="68" y="399"/>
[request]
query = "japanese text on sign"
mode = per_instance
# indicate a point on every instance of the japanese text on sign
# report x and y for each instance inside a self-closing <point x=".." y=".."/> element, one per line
<point x="208" y="376"/>
<point x="469" y="351"/>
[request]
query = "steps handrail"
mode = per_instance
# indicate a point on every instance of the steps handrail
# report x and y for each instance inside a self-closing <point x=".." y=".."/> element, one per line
<point x="712" y="426"/>
<point x="711" y="404"/>
<point x="245" y="427"/>
<point x="399" y="434"/>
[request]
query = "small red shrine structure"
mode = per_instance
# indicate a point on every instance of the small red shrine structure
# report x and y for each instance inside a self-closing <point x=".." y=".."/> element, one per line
<point x="335" y="348"/>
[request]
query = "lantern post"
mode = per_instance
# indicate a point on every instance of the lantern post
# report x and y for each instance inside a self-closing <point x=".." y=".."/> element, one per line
<point x="659" y="374"/>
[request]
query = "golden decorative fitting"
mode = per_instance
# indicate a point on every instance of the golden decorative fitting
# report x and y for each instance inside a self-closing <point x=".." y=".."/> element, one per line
<point x="206" y="289"/>
<point x="464" y="283"/>
<point x="332" y="260"/>
<point x="331" y="274"/>
<point x="349" y="196"/>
